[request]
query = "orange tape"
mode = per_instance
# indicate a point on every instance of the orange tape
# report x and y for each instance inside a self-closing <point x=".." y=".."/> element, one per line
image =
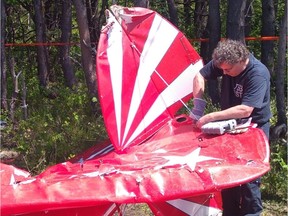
<point x="41" y="44"/>
<point x="267" y="38"/>
<point x="74" y="43"/>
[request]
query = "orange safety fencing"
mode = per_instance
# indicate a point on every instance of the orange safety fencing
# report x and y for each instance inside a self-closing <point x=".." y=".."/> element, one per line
<point x="77" y="43"/>
<point x="246" y="38"/>
<point x="42" y="44"/>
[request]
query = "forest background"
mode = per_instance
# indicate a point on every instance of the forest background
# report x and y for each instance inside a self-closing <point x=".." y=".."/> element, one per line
<point x="50" y="110"/>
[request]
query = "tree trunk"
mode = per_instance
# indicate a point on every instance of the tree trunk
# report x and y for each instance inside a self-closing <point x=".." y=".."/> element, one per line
<point x="88" y="62"/>
<point x="200" y="17"/>
<point x="214" y="26"/>
<point x="4" y="104"/>
<point x="93" y="22"/>
<point x="201" y="22"/>
<point x="15" y="91"/>
<point x="172" y="12"/>
<point x="280" y="72"/>
<point x="248" y="17"/>
<point x="187" y="13"/>
<point x="24" y="98"/>
<point x="141" y="3"/>
<point x="42" y="53"/>
<point x="66" y="63"/>
<point x="214" y="23"/>
<point x="268" y="29"/>
<point x="236" y="20"/>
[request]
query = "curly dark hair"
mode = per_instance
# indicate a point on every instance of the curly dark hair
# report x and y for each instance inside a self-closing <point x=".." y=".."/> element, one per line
<point x="230" y="52"/>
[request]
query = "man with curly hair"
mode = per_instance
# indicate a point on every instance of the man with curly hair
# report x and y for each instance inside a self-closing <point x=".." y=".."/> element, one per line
<point x="245" y="92"/>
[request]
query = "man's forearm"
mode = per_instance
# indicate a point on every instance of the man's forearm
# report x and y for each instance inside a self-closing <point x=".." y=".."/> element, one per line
<point x="236" y="112"/>
<point x="198" y="86"/>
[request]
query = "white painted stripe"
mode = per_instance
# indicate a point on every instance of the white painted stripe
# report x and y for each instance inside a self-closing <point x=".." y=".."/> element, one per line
<point x="169" y="96"/>
<point x="159" y="178"/>
<point x="182" y="85"/>
<point x="160" y="38"/>
<point x="157" y="108"/>
<point x="115" y="59"/>
<point x="92" y="174"/>
<point x="19" y="172"/>
<point x="12" y="180"/>
<point x="121" y="190"/>
<point x="101" y="152"/>
<point x="110" y="210"/>
<point x="194" y="209"/>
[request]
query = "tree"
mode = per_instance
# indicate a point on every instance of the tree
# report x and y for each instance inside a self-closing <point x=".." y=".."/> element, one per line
<point x="214" y="26"/>
<point x="4" y="104"/>
<point x="172" y="12"/>
<point x="16" y="87"/>
<point x="248" y="13"/>
<point x="187" y="13"/>
<point x="202" y="27"/>
<point x="281" y="125"/>
<point x="141" y="3"/>
<point x="94" y="17"/>
<point x="42" y="52"/>
<point x="200" y="17"/>
<point x="235" y="27"/>
<point x="88" y="62"/>
<point x="268" y="29"/>
<point x="65" y="25"/>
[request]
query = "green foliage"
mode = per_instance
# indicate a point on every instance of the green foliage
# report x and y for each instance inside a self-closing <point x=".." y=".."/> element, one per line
<point x="161" y="7"/>
<point x="56" y="128"/>
<point x="275" y="181"/>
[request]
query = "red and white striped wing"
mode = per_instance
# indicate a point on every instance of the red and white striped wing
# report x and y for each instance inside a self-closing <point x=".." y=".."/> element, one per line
<point x="145" y="66"/>
<point x="10" y="175"/>
<point x="177" y="162"/>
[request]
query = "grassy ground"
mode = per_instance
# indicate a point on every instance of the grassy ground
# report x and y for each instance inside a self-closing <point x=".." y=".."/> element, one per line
<point x="271" y="208"/>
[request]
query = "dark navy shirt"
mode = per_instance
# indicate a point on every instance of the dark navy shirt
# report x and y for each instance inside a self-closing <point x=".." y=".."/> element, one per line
<point x="251" y="87"/>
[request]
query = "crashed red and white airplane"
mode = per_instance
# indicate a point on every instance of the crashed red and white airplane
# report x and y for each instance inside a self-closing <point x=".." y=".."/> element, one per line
<point x="145" y="68"/>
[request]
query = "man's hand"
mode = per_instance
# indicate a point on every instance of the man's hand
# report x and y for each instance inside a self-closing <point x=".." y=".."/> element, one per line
<point x="204" y="120"/>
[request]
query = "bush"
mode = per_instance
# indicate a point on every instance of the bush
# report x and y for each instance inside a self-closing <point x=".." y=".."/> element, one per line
<point x="275" y="181"/>
<point x="56" y="129"/>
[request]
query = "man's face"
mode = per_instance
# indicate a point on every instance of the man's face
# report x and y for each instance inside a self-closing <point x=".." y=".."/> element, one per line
<point x="233" y="70"/>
